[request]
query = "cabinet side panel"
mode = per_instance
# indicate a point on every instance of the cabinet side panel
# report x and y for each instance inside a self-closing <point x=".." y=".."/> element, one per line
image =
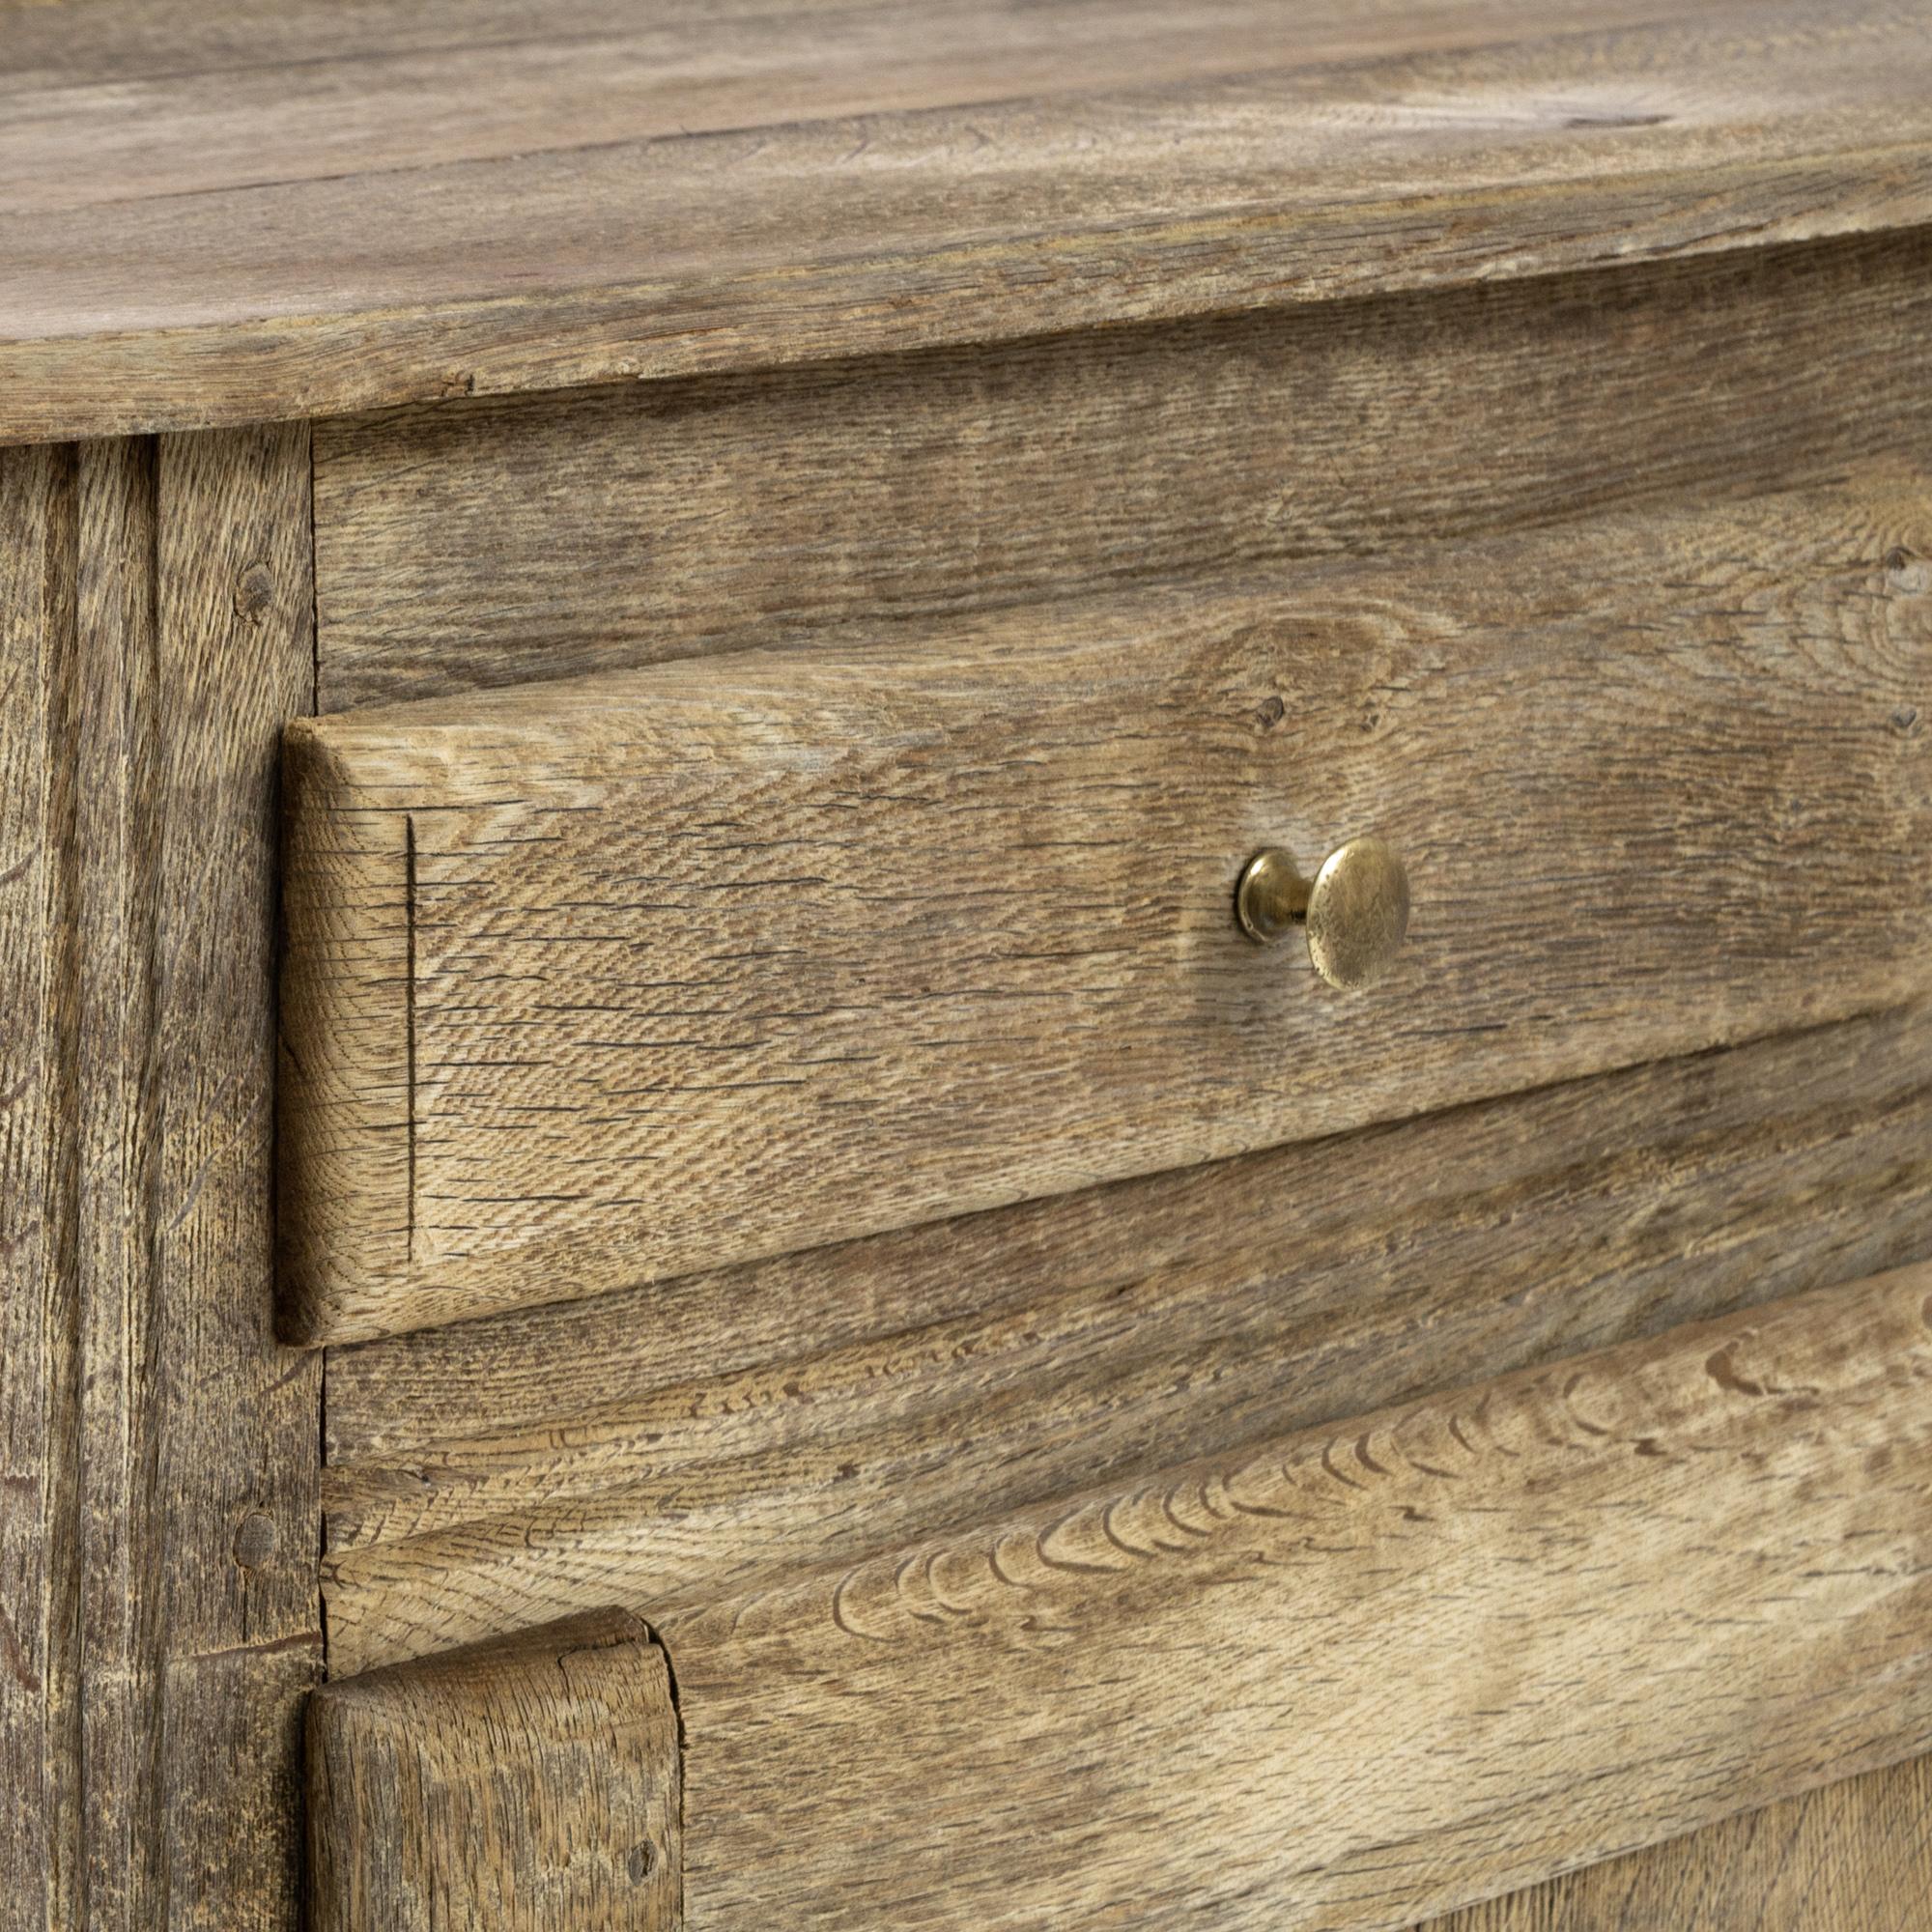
<point x="160" y="1451"/>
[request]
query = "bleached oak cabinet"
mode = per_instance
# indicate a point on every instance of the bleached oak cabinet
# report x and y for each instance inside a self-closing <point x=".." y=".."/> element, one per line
<point x="965" y="966"/>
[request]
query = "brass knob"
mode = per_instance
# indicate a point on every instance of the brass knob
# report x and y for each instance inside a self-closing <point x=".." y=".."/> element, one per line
<point x="1354" y="910"/>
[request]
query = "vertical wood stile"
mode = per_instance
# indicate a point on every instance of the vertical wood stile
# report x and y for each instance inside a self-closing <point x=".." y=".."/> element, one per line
<point x="157" y="1453"/>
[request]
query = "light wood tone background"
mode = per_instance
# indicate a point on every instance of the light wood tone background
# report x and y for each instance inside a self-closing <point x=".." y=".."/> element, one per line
<point x="1851" y="1857"/>
<point x="528" y="1785"/>
<point x="159" y="1619"/>
<point x="602" y="982"/>
<point x="716" y="1431"/>
<point x="1575" y="1610"/>
<point x="500" y="542"/>
<point x="708" y="188"/>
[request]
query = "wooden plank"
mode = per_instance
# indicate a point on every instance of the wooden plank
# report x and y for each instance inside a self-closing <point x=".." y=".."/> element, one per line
<point x="38" y="1343"/>
<point x="704" y="1433"/>
<point x="530" y="1785"/>
<point x="429" y="86"/>
<point x="1055" y="179"/>
<point x="603" y="982"/>
<point x="235" y="1502"/>
<point x="1576" y="1611"/>
<point x="59" y="43"/>
<point x="499" y="541"/>
<point x="759" y="60"/>
<point x="158" y="1460"/>
<point x="1857" y="1854"/>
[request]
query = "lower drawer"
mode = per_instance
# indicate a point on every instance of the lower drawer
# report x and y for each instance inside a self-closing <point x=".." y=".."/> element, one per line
<point x="1347" y="1678"/>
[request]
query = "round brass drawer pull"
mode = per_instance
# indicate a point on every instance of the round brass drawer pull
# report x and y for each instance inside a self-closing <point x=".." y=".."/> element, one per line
<point x="1354" y="910"/>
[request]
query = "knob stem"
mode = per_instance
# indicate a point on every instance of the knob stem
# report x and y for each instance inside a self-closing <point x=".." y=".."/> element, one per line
<point x="1272" y="896"/>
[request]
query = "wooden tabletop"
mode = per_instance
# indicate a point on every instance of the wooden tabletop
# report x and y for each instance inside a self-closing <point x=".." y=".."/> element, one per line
<point x="219" y="211"/>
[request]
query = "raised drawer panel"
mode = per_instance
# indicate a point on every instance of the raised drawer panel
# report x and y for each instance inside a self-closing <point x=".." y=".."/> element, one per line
<point x="1340" y="1679"/>
<point x="598" y="982"/>
<point x="526" y="1785"/>
<point x="688" y="1437"/>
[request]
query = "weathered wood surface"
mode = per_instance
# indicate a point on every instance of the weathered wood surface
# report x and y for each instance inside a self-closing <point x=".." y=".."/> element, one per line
<point x="499" y="541"/>
<point x="1351" y="1676"/>
<point x="1852" y="1857"/>
<point x="611" y="979"/>
<point x="448" y="212"/>
<point x="160" y="1618"/>
<point x="527" y="1785"/>
<point x="709" y="1432"/>
<point x="433" y="85"/>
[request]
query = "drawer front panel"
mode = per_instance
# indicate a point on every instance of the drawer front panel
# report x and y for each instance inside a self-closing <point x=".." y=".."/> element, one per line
<point x="596" y="983"/>
<point x="1350" y="1678"/>
<point x="529" y="1785"/>
<point x="1341" y="1678"/>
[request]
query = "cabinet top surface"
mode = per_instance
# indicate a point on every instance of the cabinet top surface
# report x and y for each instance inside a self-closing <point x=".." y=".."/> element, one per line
<point x="249" y="210"/>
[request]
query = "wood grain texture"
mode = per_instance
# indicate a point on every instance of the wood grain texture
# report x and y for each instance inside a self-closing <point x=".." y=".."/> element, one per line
<point x="528" y="1785"/>
<point x="1856" y="1855"/>
<point x="711" y="1432"/>
<point x="707" y="189"/>
<point x="615" y="980"/>
<point x="499" y="541"/>
<point x="1576" y="1611"/>
<point x="159" y="1619"/>
<point x="430" y="86"/>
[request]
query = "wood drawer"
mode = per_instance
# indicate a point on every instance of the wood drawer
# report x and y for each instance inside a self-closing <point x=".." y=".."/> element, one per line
<point x="1340" y="1679"/>
<point x="600" y="981"/>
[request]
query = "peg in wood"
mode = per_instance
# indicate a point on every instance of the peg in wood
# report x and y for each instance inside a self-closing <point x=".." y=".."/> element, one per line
<point x="1354" y="911"/>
